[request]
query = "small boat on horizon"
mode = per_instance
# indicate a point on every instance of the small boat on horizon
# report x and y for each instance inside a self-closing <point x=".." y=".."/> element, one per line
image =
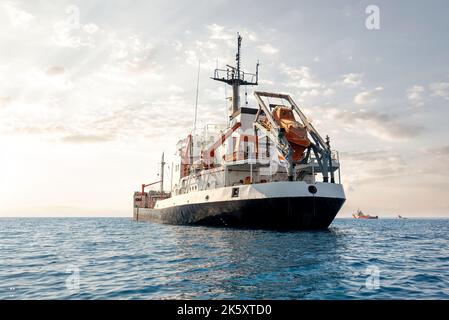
<point x="361" y="215"/>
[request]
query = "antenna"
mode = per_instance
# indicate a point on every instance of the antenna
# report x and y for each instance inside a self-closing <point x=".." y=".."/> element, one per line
<point x="237" y="57"/>
<point x="234" y="77"/>
<point x="197" y="93"/>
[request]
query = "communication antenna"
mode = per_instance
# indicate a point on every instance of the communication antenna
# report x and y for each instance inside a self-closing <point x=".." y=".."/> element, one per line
<point x="234" y="77"/>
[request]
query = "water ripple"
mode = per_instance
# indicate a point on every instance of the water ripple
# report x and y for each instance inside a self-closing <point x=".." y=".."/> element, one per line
<point x="68" y="258"/>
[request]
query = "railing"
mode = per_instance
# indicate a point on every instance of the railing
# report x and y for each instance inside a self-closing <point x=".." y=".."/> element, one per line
<point x="231" y="74"/>
<point x="241" y="156"/>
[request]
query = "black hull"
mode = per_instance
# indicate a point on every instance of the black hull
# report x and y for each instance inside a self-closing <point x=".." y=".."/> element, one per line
<point x="298" y="213"/>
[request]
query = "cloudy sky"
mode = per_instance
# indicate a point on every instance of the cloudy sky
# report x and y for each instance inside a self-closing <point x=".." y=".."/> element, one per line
<point x="91" y="93"/>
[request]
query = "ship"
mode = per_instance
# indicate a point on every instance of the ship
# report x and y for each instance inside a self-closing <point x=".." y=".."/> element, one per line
<point x="360" y="215"/>
<point x="266" y="168"/>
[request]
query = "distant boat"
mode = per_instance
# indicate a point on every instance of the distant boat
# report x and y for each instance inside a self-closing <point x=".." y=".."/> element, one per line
<point x="361" y="215"/>
<point x="401" y="217"/>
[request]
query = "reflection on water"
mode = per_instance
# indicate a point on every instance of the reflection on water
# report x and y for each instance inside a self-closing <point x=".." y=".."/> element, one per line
<point x="123" y="259"/>
<point x="253" y="263"/>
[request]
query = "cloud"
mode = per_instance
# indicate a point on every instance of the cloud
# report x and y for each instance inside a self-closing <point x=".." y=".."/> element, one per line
<point x="153" y="120"/>
<point x="310" y="93"/>
<point x="91" y="28"/>
<point x="316" y="93"/>
<point x="108" y="73"/>
<point x="209" y="52"/>
<point x="372" y="156"/>
<point x="19" y="18"/>
<point x="329" y="92"/>
<point x="415" y="95"/>
<point x="440" y="89"/>
<point x="121" y="123"/>
<point x="69" y="33"/>
<point x="130" y="55"/>
<point x="229" y="35"/>
<point x="85" y="138"/>
<point x="441" y="151"/>
<point x="4" y="101"/>
<point x="433" y="162"/>
<point x="367" y="166"/>
<point x="379" y="125"/>
<point x="218" y="32"/>
<point x="352" y="79"/>
<point x="219" y="45"/>
<point x="300" y="77"/>
<point x="266" y="82"/>
<point x="39" y="129"/>
<point x="268" y="49"/>
<point x="367" y="97"/>
<point x="55" y="70"/>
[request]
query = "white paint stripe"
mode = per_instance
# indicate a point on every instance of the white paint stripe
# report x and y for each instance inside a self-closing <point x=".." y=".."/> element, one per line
<point x="256" y="191"/>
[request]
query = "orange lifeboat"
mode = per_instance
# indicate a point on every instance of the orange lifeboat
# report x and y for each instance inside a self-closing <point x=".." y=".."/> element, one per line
<point x="296" y="133"/>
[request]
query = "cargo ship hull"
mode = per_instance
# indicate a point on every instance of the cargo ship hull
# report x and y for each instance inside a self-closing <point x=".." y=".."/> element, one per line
<point x="276" y="213"/>
<point x="297" y="212"/>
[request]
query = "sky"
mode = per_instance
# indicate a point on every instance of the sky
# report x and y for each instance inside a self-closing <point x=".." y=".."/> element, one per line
<point x="92" y="92"/>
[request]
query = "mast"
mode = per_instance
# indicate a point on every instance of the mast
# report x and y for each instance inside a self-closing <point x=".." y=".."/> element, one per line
<point x="236" y="84"/>
<point x="234" y="77"/>
<point x="162" y="173"/>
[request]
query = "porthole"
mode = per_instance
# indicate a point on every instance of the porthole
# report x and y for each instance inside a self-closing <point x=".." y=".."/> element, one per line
<point x="313" y="189"/>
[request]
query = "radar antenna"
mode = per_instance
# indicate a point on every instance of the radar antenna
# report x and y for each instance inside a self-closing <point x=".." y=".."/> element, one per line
<point x="234" y="77"/>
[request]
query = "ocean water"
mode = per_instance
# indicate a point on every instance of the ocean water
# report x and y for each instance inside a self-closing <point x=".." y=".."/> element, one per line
<point x="117" y="258"/>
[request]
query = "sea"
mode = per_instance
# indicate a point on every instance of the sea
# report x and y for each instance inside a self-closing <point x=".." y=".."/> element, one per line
<point x="117" y="258"/>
